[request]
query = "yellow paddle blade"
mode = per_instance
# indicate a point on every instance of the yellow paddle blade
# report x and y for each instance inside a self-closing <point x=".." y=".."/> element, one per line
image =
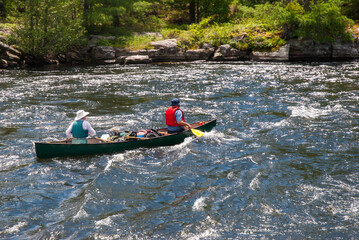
<point x="198" y="133"/>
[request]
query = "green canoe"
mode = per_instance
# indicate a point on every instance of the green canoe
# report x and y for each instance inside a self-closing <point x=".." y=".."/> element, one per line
<point x="99" y="146"/>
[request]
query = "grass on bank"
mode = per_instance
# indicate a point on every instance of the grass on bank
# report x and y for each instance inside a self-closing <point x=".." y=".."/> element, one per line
<point x="239" y="36"/>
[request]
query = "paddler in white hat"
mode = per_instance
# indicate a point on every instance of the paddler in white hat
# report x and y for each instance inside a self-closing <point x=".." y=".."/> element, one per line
<point x="80" y="128"/>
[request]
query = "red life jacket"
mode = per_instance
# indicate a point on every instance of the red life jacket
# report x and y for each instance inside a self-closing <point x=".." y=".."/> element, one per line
<point x="170" y="116"/>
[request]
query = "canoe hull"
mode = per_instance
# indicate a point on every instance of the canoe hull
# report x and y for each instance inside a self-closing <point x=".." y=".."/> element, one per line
<point x="61" y="149"/>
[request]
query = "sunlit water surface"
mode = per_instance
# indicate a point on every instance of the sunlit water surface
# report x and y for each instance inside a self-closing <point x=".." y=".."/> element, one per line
<point x="282" y="163"/>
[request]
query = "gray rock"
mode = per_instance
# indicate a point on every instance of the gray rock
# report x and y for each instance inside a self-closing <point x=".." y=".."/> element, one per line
<point x="3" y="63"/>
<point x="168" y="44"/>
<point x="227" y="53"/>
<point x="198" y="54"/>
<point x="137" y="59"/>
<point x="342" y="51"/>
<point x="309" y="50"/>
<point x="120" y="52"/>
<point x="108" y="61"/>
<point x="75" y="55"/>
<point x="222" y="52"/>
<point x="101" y="53"/>
<point x="281" y="55"/>
<point x="138" y="52"/>
<point x="121" y="59"/>
<point x="206" y="46"/>
<point x="166" y="55"/>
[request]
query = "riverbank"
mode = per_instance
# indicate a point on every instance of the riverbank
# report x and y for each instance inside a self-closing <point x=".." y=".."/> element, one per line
<point x="168" y="51"/>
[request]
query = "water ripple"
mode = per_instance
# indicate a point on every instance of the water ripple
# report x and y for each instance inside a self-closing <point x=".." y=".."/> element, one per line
<point x="281" y="163"/>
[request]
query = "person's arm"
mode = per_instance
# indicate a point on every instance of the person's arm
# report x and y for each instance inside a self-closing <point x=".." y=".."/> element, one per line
<point x="69" y="131"/>
<point x="178" y="115"/>
<point x="184" y="124"/>
<point x="87" y="126"/>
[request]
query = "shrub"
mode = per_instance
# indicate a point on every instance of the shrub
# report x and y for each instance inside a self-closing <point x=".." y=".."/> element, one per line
<point x="324" y="23"/>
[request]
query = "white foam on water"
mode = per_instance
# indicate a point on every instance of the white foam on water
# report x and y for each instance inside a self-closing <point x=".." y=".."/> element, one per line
<point x="268" y="210"/>
<point x="254" y="184"/>
<point x="311" y="192"/>
<point x="109" y="164"/>
<point x="182" y="145"/>
<point x="14" y="229"/>
<point x="104" y="222"/>
<point x="199" y="204"/>
<point x="204" y="230"/>
<point x="308" y="112"/>
<point x="220" y="136"/>
<point x="11" y="162"/>
<point x="41" y="171"/>
<point x="206" y="234"/>
<point x="81" y="214"/>
<point x="315" y="111"/>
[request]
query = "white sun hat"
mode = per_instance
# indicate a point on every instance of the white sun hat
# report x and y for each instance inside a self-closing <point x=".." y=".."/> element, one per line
<point x="81" y="114"/>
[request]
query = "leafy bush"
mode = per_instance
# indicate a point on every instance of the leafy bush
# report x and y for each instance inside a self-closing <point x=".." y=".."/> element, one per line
<point x="323" y="20"/>
<point x="350" y="8"/>
<point x="240" y="36"/>
<point x="324" y="23"/>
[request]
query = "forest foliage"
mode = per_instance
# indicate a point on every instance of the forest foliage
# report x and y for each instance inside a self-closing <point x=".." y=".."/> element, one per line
<point x="42" y="27"/>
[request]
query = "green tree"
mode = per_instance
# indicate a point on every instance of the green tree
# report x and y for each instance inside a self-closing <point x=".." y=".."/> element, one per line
<point x="7" y="7"/>
<point x="2" y="9"/>
<point x="49" y="26"/>
<point x="198" y="10"/>
<point x="324" y="22"/>
<point x="351" y="9"/>
<point x="100" y="15"/>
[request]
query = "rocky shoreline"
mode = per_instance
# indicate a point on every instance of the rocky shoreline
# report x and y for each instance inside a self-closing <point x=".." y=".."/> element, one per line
<point x="168" y="51"/>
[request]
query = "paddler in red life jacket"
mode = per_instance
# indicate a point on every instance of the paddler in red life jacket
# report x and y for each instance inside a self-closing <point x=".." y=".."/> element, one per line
<point x="175" y="118"/>
<point x="80" y="128"/>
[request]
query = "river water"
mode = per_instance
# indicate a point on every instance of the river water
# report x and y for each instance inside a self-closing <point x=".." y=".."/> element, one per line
<point x="282" y="163"/>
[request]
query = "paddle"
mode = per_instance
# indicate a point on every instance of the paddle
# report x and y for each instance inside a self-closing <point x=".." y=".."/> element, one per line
<point x="197" y="132"/>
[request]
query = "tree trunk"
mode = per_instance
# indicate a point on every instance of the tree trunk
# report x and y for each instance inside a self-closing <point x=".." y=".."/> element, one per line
<point x="192" y="11"/>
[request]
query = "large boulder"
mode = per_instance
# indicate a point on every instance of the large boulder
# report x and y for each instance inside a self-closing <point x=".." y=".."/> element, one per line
<point x="75" y="55"/>
<point x="309" y="50"/>
<point x="199" y="54"/>
<point x="342" y="51"/>
<point x="222" y="52"/>
<point x="227" y="53"/>
<point x="168" y="44"/>
<point x="122" y="54"/>
<point x="166" y="50"/>
<point x="103" y="55"/>
<point x="282" y="54"/>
